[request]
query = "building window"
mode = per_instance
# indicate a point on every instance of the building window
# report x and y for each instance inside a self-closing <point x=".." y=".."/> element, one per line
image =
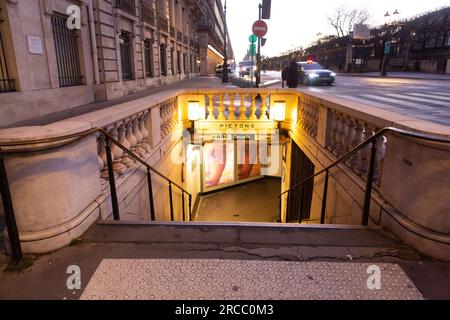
<point x="148" y="55"/>
<point x="163" y="59"/>
<point x="67" y="55"/>
<point x="6" y="83"/>
<point x="172" y="61"/>
<point x="126" y="56"/>
<point x="126" y="5"/>
<point x="185" y="63"/>
<point x="179" y="61"/>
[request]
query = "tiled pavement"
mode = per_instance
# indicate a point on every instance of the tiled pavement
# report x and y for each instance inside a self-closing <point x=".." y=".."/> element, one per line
<point x="248" y="280"/>
<point x="229" y="262"/>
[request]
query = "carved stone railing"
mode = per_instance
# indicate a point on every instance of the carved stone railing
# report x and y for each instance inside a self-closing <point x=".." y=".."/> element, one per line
<point x="237" y="106"/>
<point x="309" y="115"/>
<point x="328" y="126"/>
<point x="133" y="132"/>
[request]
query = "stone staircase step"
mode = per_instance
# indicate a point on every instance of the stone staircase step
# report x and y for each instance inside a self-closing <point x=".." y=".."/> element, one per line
<point x="241" y="233"/>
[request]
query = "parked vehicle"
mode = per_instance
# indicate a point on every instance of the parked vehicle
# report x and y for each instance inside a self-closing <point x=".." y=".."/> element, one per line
<point x="311" y="73"/>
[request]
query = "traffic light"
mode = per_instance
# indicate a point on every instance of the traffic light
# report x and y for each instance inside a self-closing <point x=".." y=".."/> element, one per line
<point x="263" y="42"/>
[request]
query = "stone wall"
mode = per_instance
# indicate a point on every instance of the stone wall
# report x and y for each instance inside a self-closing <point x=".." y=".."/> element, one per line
<point x="38" y="92"/>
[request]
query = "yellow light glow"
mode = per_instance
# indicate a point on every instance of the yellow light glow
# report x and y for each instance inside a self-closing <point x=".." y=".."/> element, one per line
<point x="278" y="111"/>
<point x="196" y="111"/>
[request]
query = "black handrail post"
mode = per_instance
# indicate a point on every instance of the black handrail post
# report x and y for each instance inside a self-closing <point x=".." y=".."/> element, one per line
<point x="171" y="202"/>
<point x="280" y="208"/>
<point x="368" y="193"/>
<point x="150" y="195"/>
<point x="112" y="180"/>
<point x="302" y="198"/>
<point x="183" y="205"/>
<point x="324" y="199"/>
<point x="190" y="207"/>
<point x="11" y="225"/>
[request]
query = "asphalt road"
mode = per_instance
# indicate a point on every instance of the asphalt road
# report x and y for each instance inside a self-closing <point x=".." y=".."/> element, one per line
<point x="424" y="99"/>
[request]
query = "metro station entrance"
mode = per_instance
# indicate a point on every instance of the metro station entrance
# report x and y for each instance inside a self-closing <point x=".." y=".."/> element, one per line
<point x="230" y="163"/>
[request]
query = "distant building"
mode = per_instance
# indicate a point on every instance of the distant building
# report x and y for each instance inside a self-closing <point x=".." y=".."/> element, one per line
<point x="419" y="44"/>
<point x="121" y="47"/>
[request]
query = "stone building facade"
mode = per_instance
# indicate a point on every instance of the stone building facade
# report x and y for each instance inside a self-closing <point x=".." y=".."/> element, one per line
<point x="60" y="54"/>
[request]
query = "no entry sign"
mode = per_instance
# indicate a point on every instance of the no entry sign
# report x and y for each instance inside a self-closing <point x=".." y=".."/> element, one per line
<point x="259" y="28"/>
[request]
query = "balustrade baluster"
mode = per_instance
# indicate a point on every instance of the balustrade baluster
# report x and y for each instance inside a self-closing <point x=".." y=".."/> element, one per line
<point x="242" y="108"/>
<point x="364" y="154"/>
<point x="211" y="108"/>
<point x="144" y="131"/>
<point x="264" y="107"/>
<point x="124" y="140"/>
<point x="253" y="107"/>
<point x="138" y="135"/>
<point x="331" y="142"/>
<point x="232" y="108"/>
<point x="221" y="108"/>
<point x="349" y="136"/>
<point x="116" y="152"/>
<point x="355" y="160"/>
<point x="381" y="151"/>
<point x="339" y="134"/>
<point x="101" y="153"/>
<point x="129" y="133"/>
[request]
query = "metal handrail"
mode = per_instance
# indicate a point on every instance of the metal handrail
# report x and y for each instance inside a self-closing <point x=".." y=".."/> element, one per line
<point x="368" y="191"/>
<point x="16" y="250"/>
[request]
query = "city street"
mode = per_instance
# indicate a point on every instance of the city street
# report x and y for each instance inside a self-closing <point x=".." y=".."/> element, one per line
<point x="425" y="99"/>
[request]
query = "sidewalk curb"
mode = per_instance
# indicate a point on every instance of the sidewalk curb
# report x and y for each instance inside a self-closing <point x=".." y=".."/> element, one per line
<point x="388" y="77"/>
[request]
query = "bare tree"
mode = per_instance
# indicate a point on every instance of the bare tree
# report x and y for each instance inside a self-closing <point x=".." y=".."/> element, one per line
<point x="343" y="19"/>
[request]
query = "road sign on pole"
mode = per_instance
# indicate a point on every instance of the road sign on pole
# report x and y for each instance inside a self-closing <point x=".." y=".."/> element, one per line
<point x="361" y="32"/>
<point x="252" y="49"/>
<point x="260" y="28"/>
<point x="253" y="38"/>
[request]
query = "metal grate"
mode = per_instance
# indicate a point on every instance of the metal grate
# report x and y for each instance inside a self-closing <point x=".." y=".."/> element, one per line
<point x="126" y="56"/>
<point x="148" y="55"/>
<point x="127" y="6"/>
<point x="163" y="23"/>
<point x="163" y="59"/>
<point x="66" y="49"/>
<point x="148" y="14"/>
<point x="172" y="60"/>
<point x="6" y="84"/>
<point x="67" y="56"/>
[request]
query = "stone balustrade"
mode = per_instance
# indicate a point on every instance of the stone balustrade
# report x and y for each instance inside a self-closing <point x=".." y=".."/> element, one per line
<point x="240" y="106"/>
<point x="132" y="133"/>
<point x="345" y="132"/>
<point x="328" y="126"/>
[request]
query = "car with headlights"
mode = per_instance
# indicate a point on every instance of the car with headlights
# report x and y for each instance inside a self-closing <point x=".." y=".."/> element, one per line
<point x="311" y="73"/>
<point x="247" y="68"/>
<point x="219" y="70"/>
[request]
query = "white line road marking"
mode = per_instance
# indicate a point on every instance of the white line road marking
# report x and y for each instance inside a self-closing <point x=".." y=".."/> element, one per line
<point x="441" y="93"/>
<point x="396" y="102"/>
<point x="431" y="96"/>
<point x="369" y="102"/>
<point x="441" y="103"/>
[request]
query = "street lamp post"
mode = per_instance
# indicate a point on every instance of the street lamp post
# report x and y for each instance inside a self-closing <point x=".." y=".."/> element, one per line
<point x="387" y="43"/>
<point x="225" y="51"/>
